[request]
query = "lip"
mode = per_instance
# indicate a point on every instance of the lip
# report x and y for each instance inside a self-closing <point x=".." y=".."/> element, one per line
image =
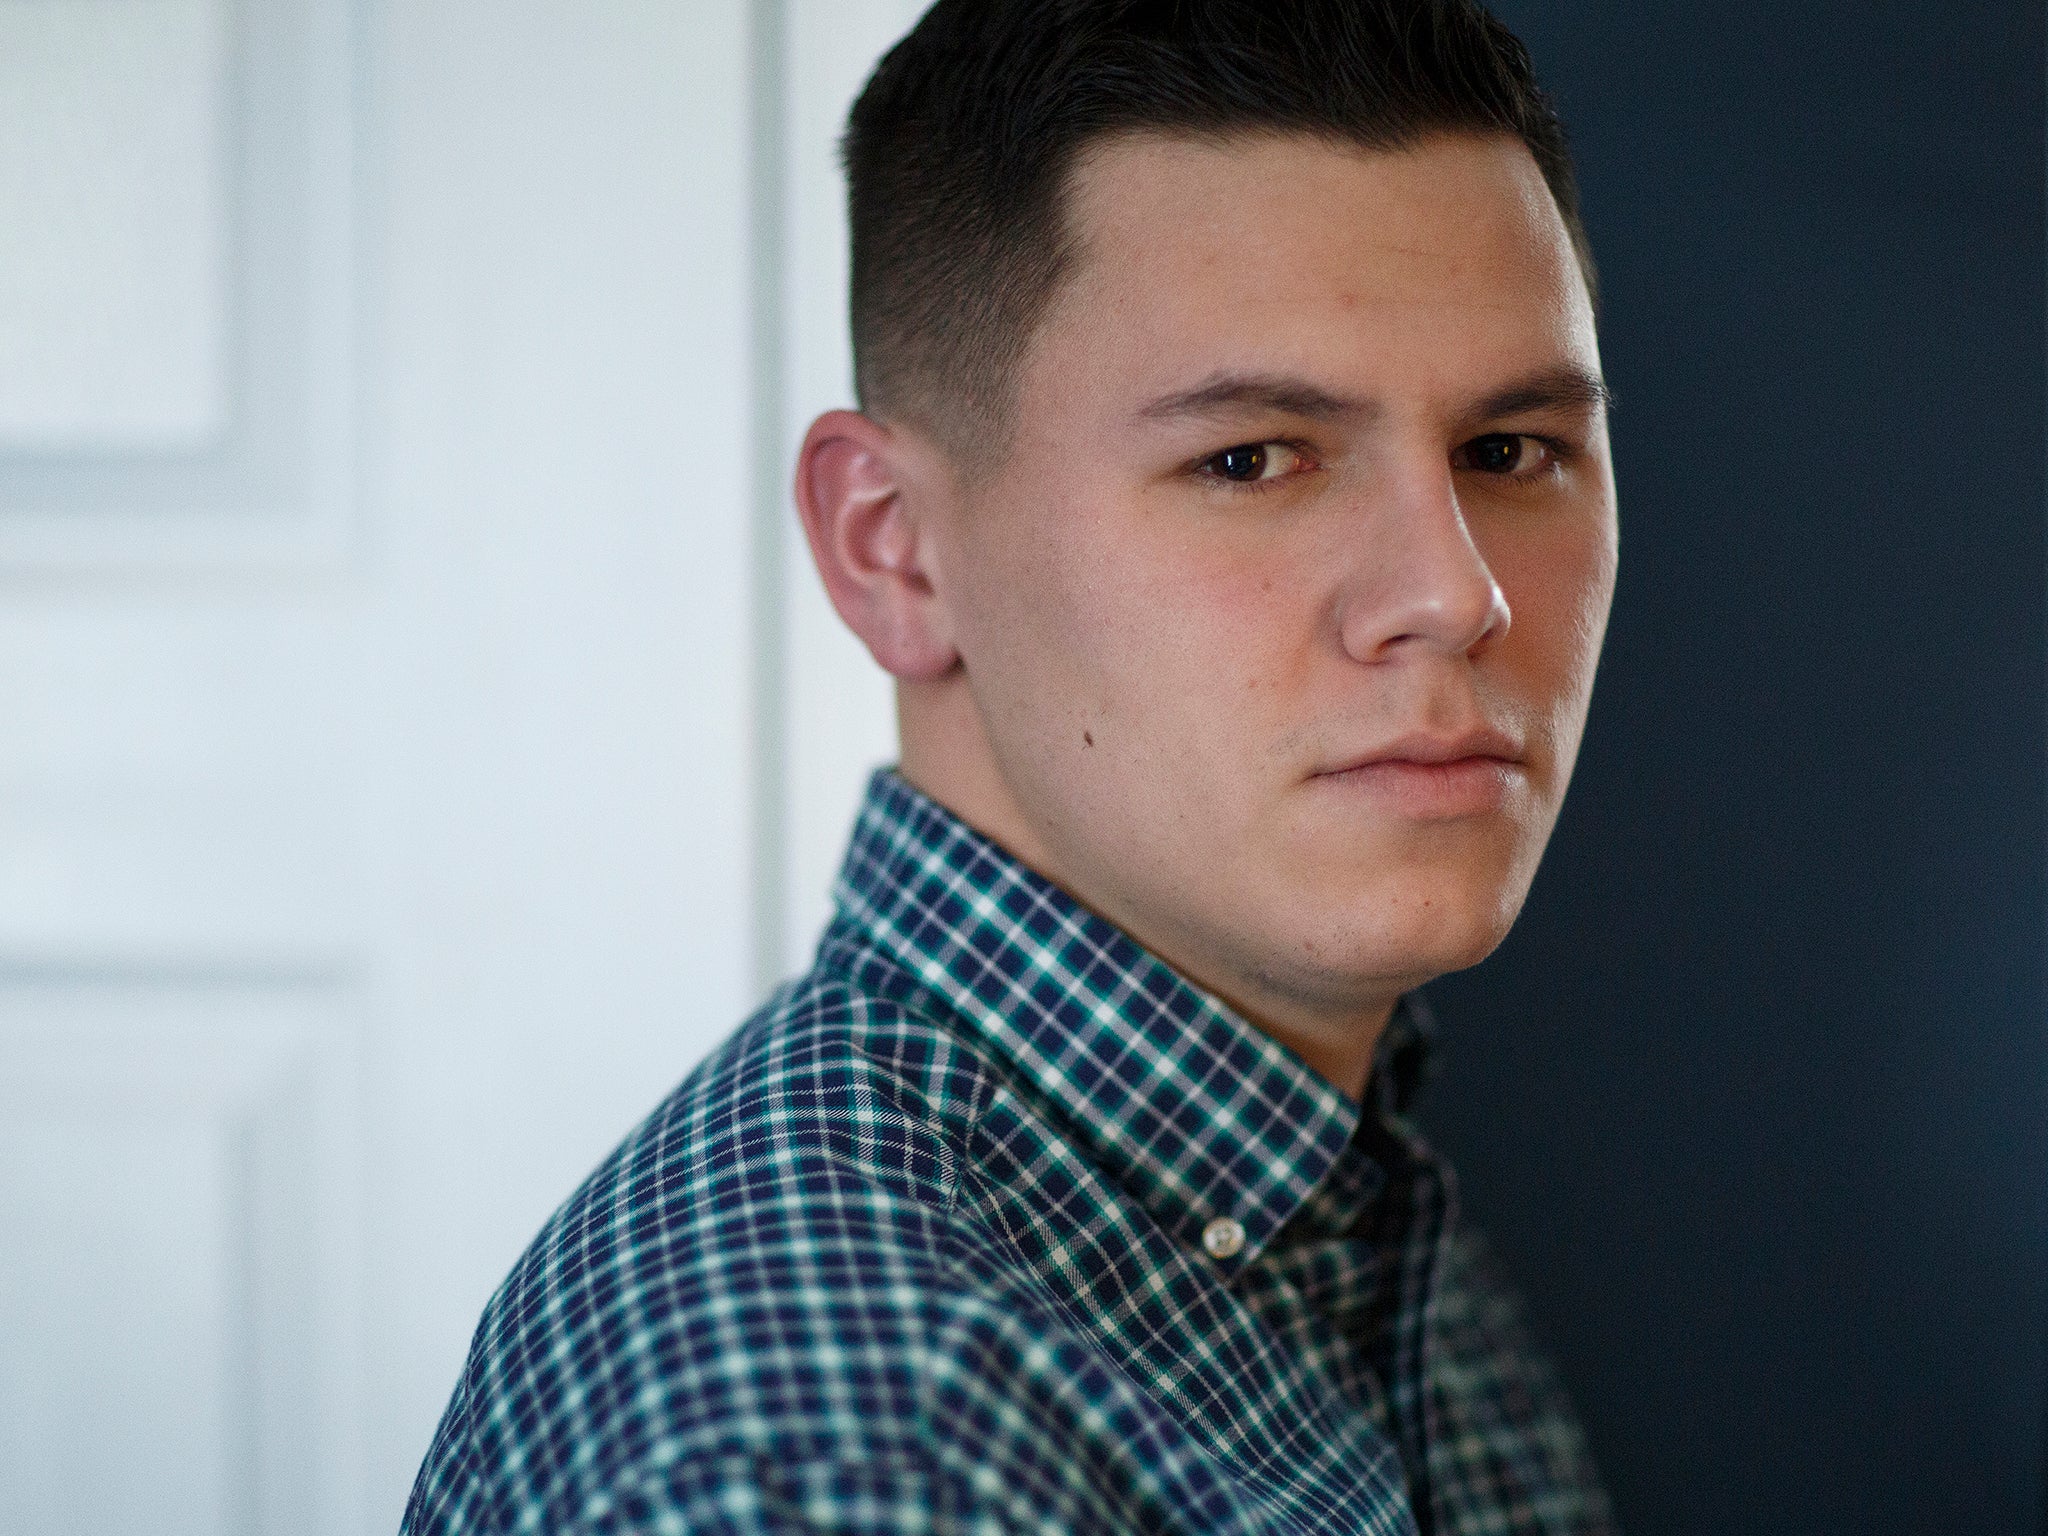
<point x="1425" y="747"/>
<point x="1432" y="777"/>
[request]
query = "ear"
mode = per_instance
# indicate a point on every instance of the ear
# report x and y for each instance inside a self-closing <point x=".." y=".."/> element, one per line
<point x="865" y="492"/>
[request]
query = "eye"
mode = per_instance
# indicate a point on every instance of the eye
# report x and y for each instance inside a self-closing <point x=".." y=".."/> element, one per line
<point x="1508" y="454"/>
<point x="1251" y="463"/>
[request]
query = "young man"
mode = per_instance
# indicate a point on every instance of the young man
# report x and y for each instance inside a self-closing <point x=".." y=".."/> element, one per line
<point x="1231" y="500"/>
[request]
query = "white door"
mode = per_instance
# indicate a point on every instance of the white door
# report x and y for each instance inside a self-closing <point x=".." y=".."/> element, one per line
<point x="420" y="737"/>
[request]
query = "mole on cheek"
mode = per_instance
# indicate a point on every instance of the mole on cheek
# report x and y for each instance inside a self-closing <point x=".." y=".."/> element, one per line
<point x="1087" y="740"/>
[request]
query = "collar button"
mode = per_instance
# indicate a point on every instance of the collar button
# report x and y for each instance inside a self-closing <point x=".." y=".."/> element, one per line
<point x="1223" y="1238"/>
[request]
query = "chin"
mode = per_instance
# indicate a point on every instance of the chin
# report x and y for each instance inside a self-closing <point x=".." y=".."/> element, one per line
<point x="1440" y="952"/>
<point x="1420" y="930"/>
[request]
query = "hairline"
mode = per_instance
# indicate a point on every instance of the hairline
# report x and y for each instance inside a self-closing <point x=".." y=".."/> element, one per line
<point x="974" y="470"/>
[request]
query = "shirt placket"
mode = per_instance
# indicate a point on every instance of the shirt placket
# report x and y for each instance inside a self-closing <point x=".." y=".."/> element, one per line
<point x="1414" y="1217"/>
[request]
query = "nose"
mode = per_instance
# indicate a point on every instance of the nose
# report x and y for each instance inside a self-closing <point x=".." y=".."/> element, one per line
<point x="1418" y="581"/>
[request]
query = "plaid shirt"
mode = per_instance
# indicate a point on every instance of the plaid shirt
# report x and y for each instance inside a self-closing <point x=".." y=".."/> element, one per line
<point x="994" y="1224"/>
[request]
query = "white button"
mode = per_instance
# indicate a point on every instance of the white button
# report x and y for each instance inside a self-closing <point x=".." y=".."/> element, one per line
<point x="1223" y="1238"/>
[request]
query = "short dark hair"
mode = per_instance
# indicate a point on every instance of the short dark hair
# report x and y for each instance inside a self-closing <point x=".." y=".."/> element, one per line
<point x="958" y="152"/>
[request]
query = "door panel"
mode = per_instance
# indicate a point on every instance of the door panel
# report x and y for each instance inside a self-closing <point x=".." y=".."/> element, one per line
<point x="177" y="1180"/>
<point x="377" y="757"/>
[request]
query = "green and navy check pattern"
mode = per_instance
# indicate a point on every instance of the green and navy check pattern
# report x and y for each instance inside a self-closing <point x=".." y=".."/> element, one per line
<point x="919" y="1250"/>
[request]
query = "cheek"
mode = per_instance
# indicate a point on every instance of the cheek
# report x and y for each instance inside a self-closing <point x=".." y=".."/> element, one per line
<point x="1559" y="583"/>
<point x="1060" y="632"/>
<point x="1020" y="583"/>
<point x="1239" y="598"/>
<point x="1142" y="625"/>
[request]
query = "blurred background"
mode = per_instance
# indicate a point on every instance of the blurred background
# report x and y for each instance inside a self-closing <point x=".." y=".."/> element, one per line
<point x="421" y="737"/>
<point x="1753" y="1096"/>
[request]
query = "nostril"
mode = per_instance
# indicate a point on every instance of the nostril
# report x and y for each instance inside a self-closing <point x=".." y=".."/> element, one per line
<point x="1420" y="579"/>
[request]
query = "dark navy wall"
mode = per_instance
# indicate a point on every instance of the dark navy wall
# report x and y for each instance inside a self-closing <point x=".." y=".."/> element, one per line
<point x="1753" y="1098"/>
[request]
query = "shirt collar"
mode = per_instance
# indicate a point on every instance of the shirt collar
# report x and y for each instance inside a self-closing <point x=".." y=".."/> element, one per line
<point x="1167" y="1089"/>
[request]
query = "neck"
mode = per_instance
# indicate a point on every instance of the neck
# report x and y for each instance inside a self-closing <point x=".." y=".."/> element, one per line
<point x="945" y="756"/>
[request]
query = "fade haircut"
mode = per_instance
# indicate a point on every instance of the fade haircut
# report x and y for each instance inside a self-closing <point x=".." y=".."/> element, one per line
<point x="960" y="148"/>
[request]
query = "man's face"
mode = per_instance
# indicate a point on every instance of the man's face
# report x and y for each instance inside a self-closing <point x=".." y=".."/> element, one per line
<point x="1280" y="618"/>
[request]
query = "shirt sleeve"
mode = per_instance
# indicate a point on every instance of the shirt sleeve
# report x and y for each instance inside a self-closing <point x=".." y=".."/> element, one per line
<point x="449" y="1496"/>
<point x="890" y="1495"/>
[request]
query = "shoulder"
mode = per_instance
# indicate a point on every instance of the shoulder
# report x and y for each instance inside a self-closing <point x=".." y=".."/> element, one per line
<point x="757" y="1278"/>
<point x="1511" y="1428"/>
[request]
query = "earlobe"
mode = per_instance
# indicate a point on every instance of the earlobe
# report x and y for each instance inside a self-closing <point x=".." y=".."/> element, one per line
<point x="860" y="493"/>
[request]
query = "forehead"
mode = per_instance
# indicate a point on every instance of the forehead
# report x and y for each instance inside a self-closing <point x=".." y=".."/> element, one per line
<point x="1442" y="265"/>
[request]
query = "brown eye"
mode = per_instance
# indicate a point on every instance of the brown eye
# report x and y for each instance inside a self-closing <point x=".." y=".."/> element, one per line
<point x="1247" y="462"/>
<point x="1504" y="453"/>
<point x="1250" y="463"/>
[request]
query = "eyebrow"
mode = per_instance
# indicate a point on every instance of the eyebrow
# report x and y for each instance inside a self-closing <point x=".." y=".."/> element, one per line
<point x="1562" y="388"/>
<point x="1254" y="391"/>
